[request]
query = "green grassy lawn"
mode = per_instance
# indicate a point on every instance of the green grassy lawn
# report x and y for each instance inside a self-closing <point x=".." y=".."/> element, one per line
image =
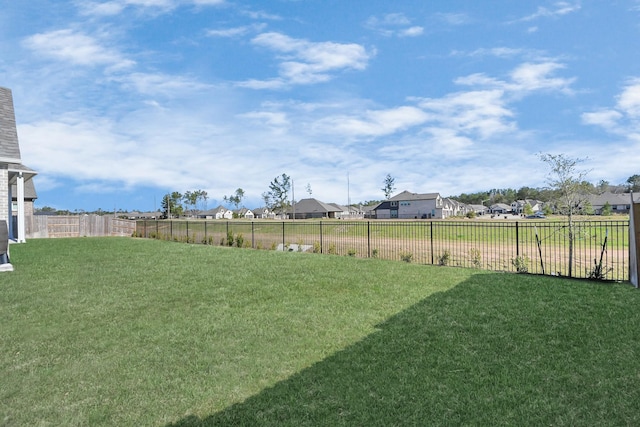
<point x="118" y="331"/>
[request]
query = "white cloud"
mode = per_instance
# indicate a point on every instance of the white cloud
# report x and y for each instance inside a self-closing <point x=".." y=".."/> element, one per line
<point x="115" y="7"/>
<point x="236" y="31"/>
<point x="629" y="99"/>
<point x="560" y="8"/>
<point x="160" y="84"/>
<point x="480" y="114"/>
<point x="525" y="78"/>
<point x="608" y="119"/>
<point x="108" y="8"/>
<point x="373" y="123"/>
<point x="536" y="76"/>
<point x="77" y="48"/>
<point x="305" y="62"/>
<point x="499" y="52"/>
<point x="454" y="18"/>
<point x="275" y="121"/>
<point x="261" y="15"/>
<point x="624" y="118"/>
<point x="394" y="24"/>
<point x="411" y="31"/>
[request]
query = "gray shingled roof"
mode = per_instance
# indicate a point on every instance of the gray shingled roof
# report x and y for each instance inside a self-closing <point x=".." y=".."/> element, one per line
<point x="407" y="195"/>
<point x="312" y="206"/>
<point x="9" y="147"/>
<point x="29" y="190"/>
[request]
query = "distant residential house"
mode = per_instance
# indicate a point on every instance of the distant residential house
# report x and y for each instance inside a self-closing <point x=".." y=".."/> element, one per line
<point x="500" y="208"/>
<point x="13" y="174"/>
<point x="244" y="213"/>
<point x="619" y="202"/>
<point x="369" y="211"/>
<point x="263" y="213"/>
<point x="479" y="209"/>
<point x="518" y="206"/>
<point x="343" y="211"/>
<point x="348" y="212"/>
<point x="217" y="213"/>
<point x="312" y="208"/>
<point x="454" y="208"/>
<point x="144" y="215"/>
<point x="407" y="205"/>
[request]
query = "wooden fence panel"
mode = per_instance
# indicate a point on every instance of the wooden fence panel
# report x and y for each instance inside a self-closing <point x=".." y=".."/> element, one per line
<point x="57" y="226"/>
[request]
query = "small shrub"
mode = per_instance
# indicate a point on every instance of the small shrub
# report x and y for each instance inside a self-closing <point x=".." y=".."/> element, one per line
<point x="332" y="249"/>
<point x="274" y="246"/>
<point x="351" y="252"/>
<point x="598" y="272"/>
<point x="239" y="240"/>
<point x="406" y="256"/>
<point x="374" y="253"/>
<point x="521" y="264"/>
<point x="230" y="238"/>
<point x="476" y="257"/>
<point x="317" y="248"/>
<point x="445" y="258"/>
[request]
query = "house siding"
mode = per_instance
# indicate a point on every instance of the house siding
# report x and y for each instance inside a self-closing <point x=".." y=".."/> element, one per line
<point x="412" y="209"/>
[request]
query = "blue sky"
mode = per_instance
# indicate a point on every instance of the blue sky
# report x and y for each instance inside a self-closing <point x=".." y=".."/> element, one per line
<point x="119" y="102"/>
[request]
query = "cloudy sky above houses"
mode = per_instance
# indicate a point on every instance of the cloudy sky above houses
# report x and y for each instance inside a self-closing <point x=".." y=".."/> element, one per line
<point x="119" y="102"/>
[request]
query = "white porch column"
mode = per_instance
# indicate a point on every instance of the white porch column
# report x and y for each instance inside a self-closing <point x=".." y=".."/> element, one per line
<point x="21" y="238"/>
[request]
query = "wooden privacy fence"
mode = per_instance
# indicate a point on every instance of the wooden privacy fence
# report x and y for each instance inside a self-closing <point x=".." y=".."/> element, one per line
<point x="600" y="249"/>
<point x="78" y="226"/>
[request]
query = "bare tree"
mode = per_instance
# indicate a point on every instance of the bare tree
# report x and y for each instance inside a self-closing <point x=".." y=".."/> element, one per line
<point x="571" y="191"/>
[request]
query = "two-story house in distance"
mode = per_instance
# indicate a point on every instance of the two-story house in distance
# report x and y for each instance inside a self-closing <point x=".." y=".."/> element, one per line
<point x="407" y="205"/>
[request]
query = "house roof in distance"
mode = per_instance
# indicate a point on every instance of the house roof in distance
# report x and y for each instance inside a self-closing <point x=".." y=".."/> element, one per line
<point x="313" y="205"/>
<point x="407" y="195"/>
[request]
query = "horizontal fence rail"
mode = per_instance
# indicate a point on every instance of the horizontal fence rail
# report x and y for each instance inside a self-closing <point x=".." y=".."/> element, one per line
<point x="600" y="248"/>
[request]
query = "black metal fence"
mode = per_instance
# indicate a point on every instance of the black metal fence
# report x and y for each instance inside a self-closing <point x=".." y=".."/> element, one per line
<point x="600" y="248"/>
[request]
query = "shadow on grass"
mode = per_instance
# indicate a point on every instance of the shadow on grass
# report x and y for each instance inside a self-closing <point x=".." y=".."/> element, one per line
<point x="496" y="350"/>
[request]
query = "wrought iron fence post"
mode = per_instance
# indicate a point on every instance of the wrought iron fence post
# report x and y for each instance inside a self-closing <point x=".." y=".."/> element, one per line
<point x="431" y="238"/>
<point x="517" y="240"/>
<point x="206" y="240"/>
<point x="369" y="239"/>
<point x="253" y="243"/>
